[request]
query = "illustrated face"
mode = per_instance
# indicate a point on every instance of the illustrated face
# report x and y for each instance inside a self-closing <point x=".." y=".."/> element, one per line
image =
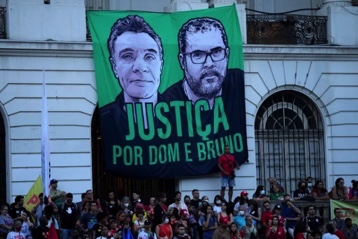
<point x="205" y="79"/>
<point x="137" y="64"/>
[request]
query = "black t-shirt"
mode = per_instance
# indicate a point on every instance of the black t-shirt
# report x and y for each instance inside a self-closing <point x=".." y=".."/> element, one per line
<point x="16" y="212"/>
<point x="68" y="215"/>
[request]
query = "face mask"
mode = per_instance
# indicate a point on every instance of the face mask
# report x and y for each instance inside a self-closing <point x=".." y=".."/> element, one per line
<point x="303" y="187"/>
<point x="309" y="184"/>
<point x="126" y="204"/>
<point x="262" y="192"/>
<point x="218" y="201"/>
<point x="166" y="221"/>
<point x="241" y="213"/>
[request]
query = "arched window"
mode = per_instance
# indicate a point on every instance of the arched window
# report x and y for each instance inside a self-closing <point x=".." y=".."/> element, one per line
<point x="289" y="140"/>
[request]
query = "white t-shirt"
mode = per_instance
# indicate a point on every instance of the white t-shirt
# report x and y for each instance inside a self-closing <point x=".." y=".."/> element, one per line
<point x="217" y="209"/>
<point x="329" y="236"/>
<point x="144" y="235"/>
<point x="15" y="235"/>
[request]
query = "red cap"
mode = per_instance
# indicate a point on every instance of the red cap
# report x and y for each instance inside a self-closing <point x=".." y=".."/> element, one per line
<point x="243" y="193"/>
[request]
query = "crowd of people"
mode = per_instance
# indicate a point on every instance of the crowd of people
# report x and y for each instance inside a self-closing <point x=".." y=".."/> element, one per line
<point x="270" y="215"/>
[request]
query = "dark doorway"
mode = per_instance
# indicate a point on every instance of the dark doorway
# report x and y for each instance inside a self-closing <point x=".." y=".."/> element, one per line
<point x="3" y="195"/>
<point x="103" y="183"/>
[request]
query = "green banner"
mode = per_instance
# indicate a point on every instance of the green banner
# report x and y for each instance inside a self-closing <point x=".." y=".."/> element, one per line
<point x="170" y="90"/>
<point x="348" y="208"/>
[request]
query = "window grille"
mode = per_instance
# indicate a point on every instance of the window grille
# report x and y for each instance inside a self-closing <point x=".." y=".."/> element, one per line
<point x="289" y="140"/>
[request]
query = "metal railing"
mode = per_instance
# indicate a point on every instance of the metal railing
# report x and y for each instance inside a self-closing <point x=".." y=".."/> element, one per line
<point x="286" y="29"/>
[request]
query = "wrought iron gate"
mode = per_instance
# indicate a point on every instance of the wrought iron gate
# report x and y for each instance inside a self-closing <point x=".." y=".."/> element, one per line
<point x="289" y="140"/>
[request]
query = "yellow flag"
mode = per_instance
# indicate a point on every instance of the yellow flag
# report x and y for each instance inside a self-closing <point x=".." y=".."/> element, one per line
<point x="32" y="197"/>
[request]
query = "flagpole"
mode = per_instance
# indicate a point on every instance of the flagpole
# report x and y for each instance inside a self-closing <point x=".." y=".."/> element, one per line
<point x="45" y="149"/>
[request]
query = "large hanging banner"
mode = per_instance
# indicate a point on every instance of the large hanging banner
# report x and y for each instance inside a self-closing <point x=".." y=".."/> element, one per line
<point x="349" y="209"/>
<point x="170" y="90"/>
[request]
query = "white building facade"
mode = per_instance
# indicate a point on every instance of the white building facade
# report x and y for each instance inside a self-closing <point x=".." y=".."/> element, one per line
<point x="51" y="35"/>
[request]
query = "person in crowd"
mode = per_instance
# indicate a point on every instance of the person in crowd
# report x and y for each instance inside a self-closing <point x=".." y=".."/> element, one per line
<point x="193" y="219"/>
<point x="149" y="209"/>
<point x="147" y="233"/>
<point x="164" y="230"/>
<point x="239" y="219"/>
<point x="177" y="202"/>
<point x="350" y="231"/>
<point x="52" y="224"/>
<point x="339" y="190"/>
<point x="234" y="231"/>
<point x="353" y="194"/>
<point x="113" y="228"/>
<point x="183" y="220"/>
<point x="138" y="224"/>
<point x="121" y="220"/>
<point x="275" y="231"/>
<point x="266" y="216"/>
<point x="15" y="232"/>
<point x="195" y="200"/>
<point x="88" y="220"/>
<point x="309" y="183"/>
<point x="276" y="194"/>
<point x="17" y="207"/>
<point x="244" y="200"/>
<point x="86" y="207"/>
<point x="27" y="224"/>
<point x="224" y="212"/>
<point x="272" y="181"/>
<point x="102" y="220"/>
<point x="174" y="218"/>
<point x="260" y="193"/>
<point x="37" y="211"/>
<point x="330" y="232"/>
<point x="136" y="199"/>
<point x="68" y="217"/>
<point x="160" y="209"/>
<point x="222" y="231"/>
<point x="41" y="231"/>
<point x="337" y="232"/>
<point x="300" y="231"/>
<point x="314" y="223"/>
<point x="103" y="233"/>
<point x="301" y="192"/>
<point x="181" y="233"/>
<point x="112" y="205"/>
<point x="204" y="204"/>
<point x="187" y="200"/>
<point x="255" y="212"/>
<point x="291" y="213"/>
<point x="6" y="222"/>
<point x="55" y="193"/>
<point x="217" y="204"/>
<point x="340" y="224"/>
<point x="319" y="192"/>
<point x="126" y="206"/>
<point x="209" y="222"/>
<point x="80" y="204"/>
<point x="249" y="231"/>
<point x="227" y="165"/>
<point x="277" y="211"/>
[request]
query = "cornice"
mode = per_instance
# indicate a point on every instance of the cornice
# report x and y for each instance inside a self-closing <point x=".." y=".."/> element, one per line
<point x="300" y="52"/>
<point x="251" y="52"/>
